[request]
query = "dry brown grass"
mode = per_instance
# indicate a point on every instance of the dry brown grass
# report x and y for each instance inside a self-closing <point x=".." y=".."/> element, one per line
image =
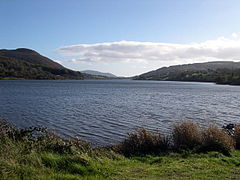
<point x="215" y="139"/>
<point x="236" y="136"/>
<point x="186" y="135"/>
<point x="144" y="142"/>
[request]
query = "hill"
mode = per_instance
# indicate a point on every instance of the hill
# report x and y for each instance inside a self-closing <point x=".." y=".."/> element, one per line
<point x="25" y="63"/>
<point x="28" y="55"/>
<point x="222" y="72"/>
<point x="18" y="69"/>
<point x="99" y="73"/>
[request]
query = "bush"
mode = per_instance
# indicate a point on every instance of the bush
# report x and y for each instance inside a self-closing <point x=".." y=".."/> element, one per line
<point x="215" y="139"/>
<point x="236" y="136"/>
<point x="186" y="136"/>
<point x="41" y="139"/>
<point x="144" y="142"/>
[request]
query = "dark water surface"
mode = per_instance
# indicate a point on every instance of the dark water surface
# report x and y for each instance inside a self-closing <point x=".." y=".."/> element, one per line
<point x="104" y="111"/>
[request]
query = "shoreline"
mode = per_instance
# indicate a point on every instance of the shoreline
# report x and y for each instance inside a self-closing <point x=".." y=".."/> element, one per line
<point x="210" y="82"/>
<point x="143" y="155"/>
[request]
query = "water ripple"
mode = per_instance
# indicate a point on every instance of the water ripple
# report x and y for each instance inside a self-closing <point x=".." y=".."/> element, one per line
<point x="104" y="111"/>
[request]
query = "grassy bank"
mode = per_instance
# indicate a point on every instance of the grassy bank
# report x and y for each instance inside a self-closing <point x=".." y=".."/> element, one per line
<point x="188" y="153"/>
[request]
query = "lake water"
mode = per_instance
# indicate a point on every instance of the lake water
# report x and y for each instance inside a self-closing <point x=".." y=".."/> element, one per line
<point x="103" y="111"/>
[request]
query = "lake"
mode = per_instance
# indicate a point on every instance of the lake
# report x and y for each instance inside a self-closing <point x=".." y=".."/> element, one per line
<point x="104" y="111"/>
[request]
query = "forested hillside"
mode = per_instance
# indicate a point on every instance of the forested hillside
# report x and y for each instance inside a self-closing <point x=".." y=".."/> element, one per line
<point x="224" y="72"/>
<point x="28" y="55"/>
<point x="16" y="69"/>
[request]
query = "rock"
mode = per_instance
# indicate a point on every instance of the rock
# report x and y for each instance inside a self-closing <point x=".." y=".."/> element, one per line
<point x="230" y="128"/>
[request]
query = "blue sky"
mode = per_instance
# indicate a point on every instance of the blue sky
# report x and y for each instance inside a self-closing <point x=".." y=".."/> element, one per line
<point x="123" y="37"/>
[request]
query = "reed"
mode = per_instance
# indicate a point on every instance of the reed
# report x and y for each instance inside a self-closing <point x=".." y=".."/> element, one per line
<point x="36" y="153"/>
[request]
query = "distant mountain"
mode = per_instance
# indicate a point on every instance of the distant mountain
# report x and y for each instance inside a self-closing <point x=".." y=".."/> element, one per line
<point x="97" y="73"/>
<point x="222" y="72"/>
<point x="28" y="55"/>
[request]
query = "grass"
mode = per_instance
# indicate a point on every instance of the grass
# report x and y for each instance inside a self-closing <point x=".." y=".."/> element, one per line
<point x="171" y="166"/>
<point x="144" y="142"/>
<point x="37" y="154"/>
<point x="186" y="135"/>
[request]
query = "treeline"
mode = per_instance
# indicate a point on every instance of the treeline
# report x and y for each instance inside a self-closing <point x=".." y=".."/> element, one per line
<point x="219" y="76"/>
<point x="227" y="76"/>
<point x="15" y="69"/>
<point x="221" y="72"/>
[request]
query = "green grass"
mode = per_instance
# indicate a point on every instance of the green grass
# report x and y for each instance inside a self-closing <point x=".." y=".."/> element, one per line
<point x="50" y="157"/>
<point x="17" y="164"/>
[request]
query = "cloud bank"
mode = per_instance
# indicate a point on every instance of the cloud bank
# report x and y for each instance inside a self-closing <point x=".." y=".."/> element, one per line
<point x="133" y="51"/>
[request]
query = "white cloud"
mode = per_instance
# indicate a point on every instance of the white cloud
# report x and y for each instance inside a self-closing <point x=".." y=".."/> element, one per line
<point x="132" y="51"/>
<point x="235" y="35"/>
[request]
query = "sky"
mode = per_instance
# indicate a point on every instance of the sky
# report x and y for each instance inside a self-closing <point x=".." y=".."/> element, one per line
<point x="124" y="37"/>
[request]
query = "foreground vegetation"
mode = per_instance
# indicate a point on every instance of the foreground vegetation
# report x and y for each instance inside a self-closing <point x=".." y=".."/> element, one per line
<point x="188" y="153"/>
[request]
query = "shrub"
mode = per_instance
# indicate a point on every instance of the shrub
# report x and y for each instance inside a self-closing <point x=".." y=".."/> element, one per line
<point x="186" y="135"/>
<point x="236" y="136"/>
<point x="27" y="134"/>
<point x="144" y="142"/>
<point x="41" y="139"/>
<point x="218" y="140"/>
<point x="52" y="142"/>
